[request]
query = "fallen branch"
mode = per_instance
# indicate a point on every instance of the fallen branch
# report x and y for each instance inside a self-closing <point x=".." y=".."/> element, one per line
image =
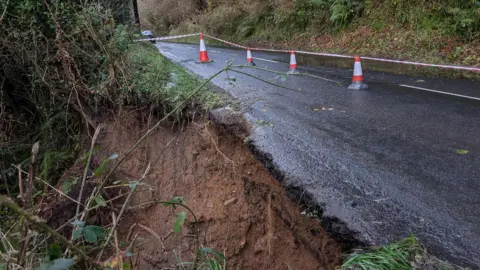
<point x="265" y="81"/>
<point x="288" y="74"/>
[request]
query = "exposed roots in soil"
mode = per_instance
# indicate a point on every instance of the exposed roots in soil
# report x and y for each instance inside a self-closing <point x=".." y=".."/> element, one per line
<point x="241" y="209"/>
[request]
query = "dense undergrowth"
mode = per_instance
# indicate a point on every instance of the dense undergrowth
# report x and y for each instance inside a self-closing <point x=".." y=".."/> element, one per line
<point x="63" y="66"/>
<point x="434" y="31"/>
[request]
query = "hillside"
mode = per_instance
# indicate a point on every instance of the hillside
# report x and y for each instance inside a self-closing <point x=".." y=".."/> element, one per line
<point x="446" y="32"/>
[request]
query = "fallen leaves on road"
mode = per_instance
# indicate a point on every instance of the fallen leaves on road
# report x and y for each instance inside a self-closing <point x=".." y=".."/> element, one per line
<point x="462" y="152"/>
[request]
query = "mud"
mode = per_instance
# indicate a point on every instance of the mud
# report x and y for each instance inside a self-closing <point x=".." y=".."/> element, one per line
<point x="242" y="209"/>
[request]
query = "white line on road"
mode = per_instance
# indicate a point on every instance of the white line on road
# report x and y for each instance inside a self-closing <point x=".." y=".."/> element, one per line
<point x="266" y="60"/>
<point x="440" y="92"/>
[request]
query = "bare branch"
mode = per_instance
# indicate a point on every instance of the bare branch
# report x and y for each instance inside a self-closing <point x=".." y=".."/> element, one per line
<point x="288" y="74"/>
<point x="4" y="11"/>
<point x="87" y="167"/>
<point x="265" y="81"/>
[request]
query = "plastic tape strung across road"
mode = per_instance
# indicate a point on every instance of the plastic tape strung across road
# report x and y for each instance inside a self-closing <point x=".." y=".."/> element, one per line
<point x="167" y="37"/>
<point x="244" y="47"/>
<point x="474" y="69"/>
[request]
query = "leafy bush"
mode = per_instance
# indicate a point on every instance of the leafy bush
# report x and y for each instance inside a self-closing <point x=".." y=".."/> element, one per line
<point x="307" y="13"/>
<point x="343" y="11"/>
<point x="451" y="17"/>
<point x="465" y="21"/>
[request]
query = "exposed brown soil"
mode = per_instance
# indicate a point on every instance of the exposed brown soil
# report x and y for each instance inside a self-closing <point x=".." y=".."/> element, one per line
<point x="242" y="210"/>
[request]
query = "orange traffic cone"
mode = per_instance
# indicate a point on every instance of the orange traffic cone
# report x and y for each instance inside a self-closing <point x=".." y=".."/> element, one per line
<point x="250" y="58"/>
<point x="357" y="81"/>
<point x="293" y="63"/>
<point x="203" y="52"/>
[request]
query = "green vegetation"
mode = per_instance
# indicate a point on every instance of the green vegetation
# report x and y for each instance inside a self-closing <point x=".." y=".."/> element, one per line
<point x="162" y="83"/>
<point x="406" y="254"/>
<point x="397" y="255"/>
<point x="432" y="31"/>
<point x="60" y="69"/>
<point x="63" y="64"/>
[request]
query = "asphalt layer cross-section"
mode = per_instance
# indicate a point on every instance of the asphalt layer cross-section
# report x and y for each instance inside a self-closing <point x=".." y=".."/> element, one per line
<point x="382" y="161"/>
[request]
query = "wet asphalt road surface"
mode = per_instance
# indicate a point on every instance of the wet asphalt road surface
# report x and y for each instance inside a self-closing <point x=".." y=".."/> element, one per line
<point x="383" y="161"/>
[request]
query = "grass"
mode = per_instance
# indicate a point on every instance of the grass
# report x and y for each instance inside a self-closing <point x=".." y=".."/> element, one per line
<point x="396" y="256"/>
<point x="157" y="80"/>
<point x="406" y="254"/>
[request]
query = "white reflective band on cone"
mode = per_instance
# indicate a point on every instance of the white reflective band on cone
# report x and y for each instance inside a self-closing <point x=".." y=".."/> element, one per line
<point x="202" y="45"/>
<point x="293" y="60"/>
<point x="357" y="71"/>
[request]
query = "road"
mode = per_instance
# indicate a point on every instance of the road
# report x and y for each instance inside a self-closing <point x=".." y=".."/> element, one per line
<point x="381" y="163"/>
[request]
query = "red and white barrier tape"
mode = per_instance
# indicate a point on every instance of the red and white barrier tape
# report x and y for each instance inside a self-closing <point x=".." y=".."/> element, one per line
<point x="227" y="42"/>
<point x="167" y="37"/>
<point x="326" y="54"/>
<point x="244" y="47"/>
<point x="474" y="69"/>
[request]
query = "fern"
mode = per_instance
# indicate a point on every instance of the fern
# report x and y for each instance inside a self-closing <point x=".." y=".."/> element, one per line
<point x="464" y="21"/>
<point x="248" y="25"/>
<point x="343" y="11"/>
